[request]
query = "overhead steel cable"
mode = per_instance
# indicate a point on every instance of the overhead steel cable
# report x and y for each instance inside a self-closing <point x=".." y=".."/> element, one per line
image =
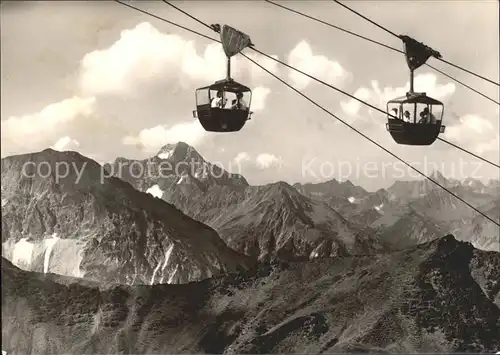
<point x="398" y="36"/>
<point x="382" y="45"/>
<point x="366" y="103"/>
<point x="333" y="87"/>
<point x="316" y="104"/>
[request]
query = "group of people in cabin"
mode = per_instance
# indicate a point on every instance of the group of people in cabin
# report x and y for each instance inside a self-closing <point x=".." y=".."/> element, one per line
<point x="425" y="116"/>
<point x="220" y="101"/>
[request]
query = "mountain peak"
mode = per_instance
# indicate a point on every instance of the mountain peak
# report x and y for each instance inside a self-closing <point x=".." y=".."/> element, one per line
<point x="48" y="154"/>
<point x="437" y="174"/>
<point x="179" y="151"/>
<point x="167" y="150"/>
<point x="475" y="183"/>
<point x="281" y="186"/>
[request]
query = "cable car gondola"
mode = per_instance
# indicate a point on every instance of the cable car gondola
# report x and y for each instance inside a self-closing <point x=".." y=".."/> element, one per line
<point x="415" y="119"/>
<point x="224" y="106"/>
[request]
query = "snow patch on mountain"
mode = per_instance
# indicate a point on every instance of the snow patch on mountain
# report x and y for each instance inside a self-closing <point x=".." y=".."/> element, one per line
<point x="165" y="153"/>
<point x="181" y="179"/>
<point x="313" y="255"/>
<point x="155" y="191"/>
<point x="168" y="254"/>
<point x="50" y="254"/>
<point x="22" y="253"/>
<point x="379" y="207"/>
<point x="202" y="172"/>
<point x="171" y="278"/>
<point x="154" y="273"/>
<point x="50" y="244"/>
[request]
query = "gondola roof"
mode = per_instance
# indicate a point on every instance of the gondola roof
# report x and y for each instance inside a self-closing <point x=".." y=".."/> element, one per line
<point x="418" y="98"/>
<point x="227" y="85"/>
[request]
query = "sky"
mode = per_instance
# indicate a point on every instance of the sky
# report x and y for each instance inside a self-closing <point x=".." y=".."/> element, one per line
<point x="107" y="81"/>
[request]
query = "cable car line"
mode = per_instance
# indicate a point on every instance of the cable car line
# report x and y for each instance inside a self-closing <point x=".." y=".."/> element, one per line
<point x="367" y="19"/>
<point x="366" y="103"/>
<point x="189" y="15"/>
<point x="324" y="109"/>
<point x="469" y="152"/>
<point x="386" y="46"/>
<point x="297" y="70"/>
<point x="167" y="21"/>
<point x="333" y="87"/>
<point x="334" y="26"/>
<point x="399" y="36"/>
<point x="382" y="45"/>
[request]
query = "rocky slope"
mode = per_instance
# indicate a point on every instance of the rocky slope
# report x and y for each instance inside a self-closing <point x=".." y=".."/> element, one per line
<point x="80" y="223"/>
<point x="276" y="220"/>
<point x="441" y="296"/>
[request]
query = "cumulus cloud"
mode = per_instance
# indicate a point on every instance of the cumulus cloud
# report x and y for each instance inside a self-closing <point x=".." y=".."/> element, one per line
<point x="241" y="157"/>
<point x="493" y="145"/>
<point x="261" y="161"/>
<point x="66" y="143"/>
<point x="31" y="131"/>
<point x="266" y="160"/>
<point x="141" y="56"/>
<point x="259" y="96"/>
<point x="151" y="139"/>
<point x="256" y="73"/>
<point x="144" y="54"/>
<point x="426" y="82"/>
<point x="352" y="106"/>
<point x="475" y="132"/>
<point x="303" y="58"/>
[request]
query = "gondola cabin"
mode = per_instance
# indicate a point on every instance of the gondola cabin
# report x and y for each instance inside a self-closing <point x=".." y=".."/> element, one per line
<point x="223" y="106"/>
<point x="417" y="119"/>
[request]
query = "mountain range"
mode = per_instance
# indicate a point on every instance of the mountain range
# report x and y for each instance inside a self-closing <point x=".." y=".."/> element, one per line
<point x="173" y="254"/>
<point x="441" y="296"/>
<point x="263" y="221"/>
<point x="177" y="218"/>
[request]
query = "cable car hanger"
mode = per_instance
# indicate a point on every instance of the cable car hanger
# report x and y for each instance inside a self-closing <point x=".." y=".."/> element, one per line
<point x="401" y="126"/>
<point x="214" y="110"/>
<point x="292" y="68"/>
<point x="400" y="37"/>
<point x="310" y="100"/>
<point x="380" y="44"/>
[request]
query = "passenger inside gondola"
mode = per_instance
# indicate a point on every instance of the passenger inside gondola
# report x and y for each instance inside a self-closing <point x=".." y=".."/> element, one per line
<point x="406" y="116"/>
<point x="239" y="103"/>
<point x="219" y="101"/>
<point x="395" y="112"/>
<point x="431" y="115"/>
<point x="427" y="117"/>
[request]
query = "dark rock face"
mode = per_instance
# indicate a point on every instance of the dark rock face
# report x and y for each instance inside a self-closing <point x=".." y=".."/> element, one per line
<point x="85" y="224"/>
<point x="275" y="220"/>
<point x="437" y="297"/>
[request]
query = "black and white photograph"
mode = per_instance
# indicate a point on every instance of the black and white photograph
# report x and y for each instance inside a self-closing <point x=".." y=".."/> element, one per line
<point x="250" y="176"/>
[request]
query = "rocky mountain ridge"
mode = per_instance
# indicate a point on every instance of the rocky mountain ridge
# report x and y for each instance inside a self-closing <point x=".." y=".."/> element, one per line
<point x="265" y="222"/>
<point x="415" y="210"/>
<point x="85" y="224"/>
